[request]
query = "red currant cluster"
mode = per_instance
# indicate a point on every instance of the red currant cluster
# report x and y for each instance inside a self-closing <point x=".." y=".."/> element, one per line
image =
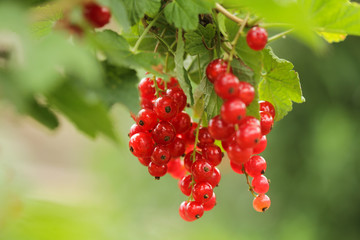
<point x="94" y="14"/>
<point x="242" y="137"/>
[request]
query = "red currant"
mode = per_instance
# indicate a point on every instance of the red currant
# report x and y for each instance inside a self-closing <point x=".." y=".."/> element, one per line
<point x="261" y="203"/>
<point x="210" y="204"/>
<point x="134" y="129"/>
<point x="182" y="212"/>
<point x="146" y="103"/>
<point x="185" y="185"/>
<point x="141" y="144"/>
<point x="202" y="170"/>
<point x="202" y="192"/>
<point x="246" y="92"/>
<point x="194" y="210"/>
<point x="256" y="38"/>
<point x="255" y="166"/>
<point x="212" y="154"/>
<point x="250" y="120"/>
<point x="233" y="110"/>
<point x="176" y="168"/>
<point x="165" y="108"/>
<point x="179" y="97"/>
<point x="215" y="178"/>
<point x="261" y="146"/>
<point x="226" y="86"/>
<point x="177" y="147"/>
<point x="181" y="122"/>
<point x="204" y="137"/>
<point x="163" y="133"/>
<point x="97" y="15"/>
<point x="266" y="106"/>
<point x="267" y="122"/>
<point x="215" y="68"/>
<point x="161" y="155"/>
<point x="173" y="82"/>
<point x="248" y="136"/>
<point x="145" y="161"/>
<point x="188" y="160"/>
<point x="260" y="184"/>
<point x="239" y="155"/>
<point x="146" y="88"/>
<point x="238" y="168"/>
<point x="219" y="129"/>
<point x="157" y="170"/>
<point x="146" y="119"/>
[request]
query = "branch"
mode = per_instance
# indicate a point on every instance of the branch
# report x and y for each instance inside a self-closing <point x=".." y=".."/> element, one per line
<point x="228" y="14"/>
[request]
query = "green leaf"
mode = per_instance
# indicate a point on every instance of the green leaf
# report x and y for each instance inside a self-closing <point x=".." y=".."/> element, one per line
<point x="119" y="11"/>
<point x="43" y="115"/>
<point x="136" y="9"/>
<point x="88" y="114"/>
<point x="333" y="37"/>
<point x="280" y="84"/>
<point x="195" y="41"/>
<point x="120" y="87"/>
<point x="47" y="17"/>
<point x="182" y="74"/>
<point x="184" y="13"/>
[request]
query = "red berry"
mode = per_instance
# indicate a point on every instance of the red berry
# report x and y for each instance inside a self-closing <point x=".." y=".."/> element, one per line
<point x="181" y="122"/>
<point x="173" y="83"/>
<point x="165" y="108"/>
<point x="182" y="212"/>
<point x="185" y="185"/>
<point x="266" y="106"/>
<point x="250" y="120"/>
<point x="226" y="86"/>
<point x="204" y="137"/>
<point x="261" y="203"/>
<point x="141" y="144"/>
<point x="202" y="192"/>
<point x="212" y="154"/>
<point x="246" y="92"/>
<point x="261" y="146"/>
<point x="146" y="119"/>
<point x="202" y="170"/>
<point x="260" y="184"/>
<point x="157" y="170"/>
<point x="266" y="122"/>
<point x="146" y="103"/>
<point x="146" y="88"/>
<point x="189" y="160"/>
<point x="194" y="210"/>
<point x="238" y="168"/>
<point x="191" y="134"/>
<point x="210" y="204"/>
<point x="248" y="136"/>
<point x="233" y="111"/>
<point x="145" y="161"/>
<point x="163" y="133"/>
<point x="215" y="68"/>
<point x="161" y="155"/>
<point x="179" y="97"/>
<point x="215" y="178"/>
<point x="177" y="147"/>
<point x="219" y="129"/>
<point x="97" y="15"/>
<point x="255" y="166"/>
<point x="226" y="143"/>
<point x="160" y="83"/>
<point x="176" y="168"/>
<point x="134" y="129"/>
<point x="239" y="155"/>
<point x="256" y="38"/>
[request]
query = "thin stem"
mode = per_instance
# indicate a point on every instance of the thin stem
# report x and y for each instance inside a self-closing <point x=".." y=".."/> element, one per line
<point x="234" y="42"/>
<point x="157" y="90"/>
<point x="268" y="25"/>
<point x="158" y="42"/>
<point x="197" y="137"/>
<point x="166" y="61"/>
<point x="248" y="183"/>
<point x="165" y="43"/>
<point x="146" y="30"/>
<point x="280" y="35"/>
<point x="228" y="14"/>
<point x="199" y="65"/>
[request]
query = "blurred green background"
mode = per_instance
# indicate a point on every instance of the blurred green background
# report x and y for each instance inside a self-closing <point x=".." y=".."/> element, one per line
<point x="64" y="186"/>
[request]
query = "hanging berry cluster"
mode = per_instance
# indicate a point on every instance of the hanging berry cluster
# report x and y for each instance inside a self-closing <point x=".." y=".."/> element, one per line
<point x="164" y="132"/>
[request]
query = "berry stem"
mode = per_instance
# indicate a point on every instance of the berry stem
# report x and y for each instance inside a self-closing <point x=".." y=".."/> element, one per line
<point x="227" y="14"/>
<point x="146" y="30"/>
<point x="197" y="137"/>
<point x="280" y="35"/>
<point x="158" y="42"/>
<point x="199" y="66"/>
<point x="248" y="183"/>
<point x="157" y="90"/>
<point x="234" y="42"/>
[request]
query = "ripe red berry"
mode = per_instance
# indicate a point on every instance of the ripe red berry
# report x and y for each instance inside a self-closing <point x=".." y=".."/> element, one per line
<point x="177" y="147"/>
<point x="204" y="137"/>
<point x="215" y="68"/>
<point x="181" y="122"/>
<point x="255" y="166"/>
<point x="237" y="154"/>
<point x="179" y="97"/>
<point x="210" y="204"/>
<point x="161" y="155"/>
<point x="134" y="129"/>
<point x="248" y="136"/>
<point x="202" y="170"/>
<point x="246" y="92"/>
<point x="219" y="129"/>
<point x="173" y="82"/>
<point x="157" y="170"/>
<point x="97" y="15"/>
<point x="256" y="38"/>
<point x="227" y="142"/>
<point x="215" y="178"/>
<point x="261" y="146"/>
<point x="202" y="192"/>
<point x="260" y="184"/>
<point x="190" y="134"/>
<point x="176" y="168"/>
<point x="233" y="111"/>
<point x="165" y="108"/>
<point x="145" y="161"/>
<point x="182" y="211"/>
<point x="146" y="103"/>
<point x="146" y="119"/>
<point x="189" y="160"/>
<point x="226" y="86"/>
<point x="250" y="120"/>
<point x="266" y="106"/>
<point x="185" y="185"/>
<point x="261" y="203"/>
<point x="146" y="88"/>
<point x="238" y="168"/>
<point x="194" y="210"/>
<point x="141" y="144"/>
<point x="212" y="154"/>
<point x="267" y="122"/>
<point x="163" y="133"/>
